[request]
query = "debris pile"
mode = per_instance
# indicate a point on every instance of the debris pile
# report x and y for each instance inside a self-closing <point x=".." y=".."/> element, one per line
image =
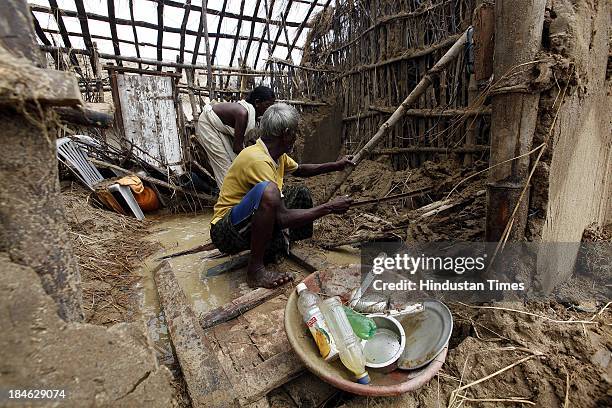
<point x="109" y="248"/>
<point x="452" y="206"/>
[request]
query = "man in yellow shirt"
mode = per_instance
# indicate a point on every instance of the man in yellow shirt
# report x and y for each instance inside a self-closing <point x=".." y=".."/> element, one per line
<point x="251" y="212"/>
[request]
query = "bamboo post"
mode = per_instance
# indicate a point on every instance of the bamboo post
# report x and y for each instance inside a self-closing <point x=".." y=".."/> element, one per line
<point x="97" y="70"/>
<point x="194" y="111"/>
<point x="518" y="34"/>
<point x="423" y="84"/>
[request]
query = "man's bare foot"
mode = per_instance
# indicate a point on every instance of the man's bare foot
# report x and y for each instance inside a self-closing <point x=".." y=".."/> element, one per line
<point x="264" y="278"/>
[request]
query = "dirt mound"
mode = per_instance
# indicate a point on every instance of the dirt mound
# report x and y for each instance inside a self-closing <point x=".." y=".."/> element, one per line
<point x="454" y="193"/>
<point x="109" y="247"/>
<point x="510" y="358"/>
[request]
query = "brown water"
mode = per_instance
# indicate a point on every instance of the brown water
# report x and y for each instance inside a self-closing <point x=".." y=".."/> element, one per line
<point x="177" y="233"/>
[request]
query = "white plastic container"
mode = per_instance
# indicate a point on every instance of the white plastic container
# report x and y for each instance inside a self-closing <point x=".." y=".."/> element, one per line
<point x="349" y="346"/>
<point x="307" y="305"/>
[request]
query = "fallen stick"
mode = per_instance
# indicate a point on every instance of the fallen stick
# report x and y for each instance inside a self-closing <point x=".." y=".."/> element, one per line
<point x="455" y="393"/>
<point x="519" y="400"/>
<point x="423" y="84"/>
<point x="200" y="248"/>
<point x="529" y="314"/>
<point x="209" y="199"/>
<point x="238" y="306"/>
<point x="234" y="263"/>
<point x="412" y="193"/>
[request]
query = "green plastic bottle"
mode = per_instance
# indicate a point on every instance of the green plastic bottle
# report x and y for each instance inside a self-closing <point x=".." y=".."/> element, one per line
<point x="363" y="326"/>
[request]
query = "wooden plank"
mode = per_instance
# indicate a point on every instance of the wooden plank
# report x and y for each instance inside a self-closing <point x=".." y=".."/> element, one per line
<point x="255" y="352"/>
<point x="137" y="23"/>
<point x="235" y="262"/>
<point x="43" y="38"/>
<point x="265" y="31"/>
<point x="207" y="383"/>
<point x="228" y="14"/>
<point x="149" y="119"/>
<point x="301" y="27"/>
<point x="222" y="69"/>
<point x="308" y="260"/>
<point x="85" y="29"/>
<point x="142" y="71"/>
<point x="431" y="149"/>
<point x="278" y="33"/>
<point x="113" y="28"/>
<point x="484" y="41"/>
<point x="203" y="28"/>
<point x="238" y="306"/>
<point x="94" y="115"/>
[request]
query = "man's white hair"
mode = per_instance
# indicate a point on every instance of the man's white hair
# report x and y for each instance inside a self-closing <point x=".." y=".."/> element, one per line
<point x="278" y="119"/>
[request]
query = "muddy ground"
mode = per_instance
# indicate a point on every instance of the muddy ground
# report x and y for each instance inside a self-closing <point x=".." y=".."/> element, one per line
<point x="109" y="248"/>
<point x="541" y="358"/>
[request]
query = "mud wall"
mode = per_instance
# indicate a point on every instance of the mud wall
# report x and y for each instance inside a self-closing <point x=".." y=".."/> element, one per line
<point x="579" y="173"/>
<point x="322" y="134"/>
<point x="371" y="54"/>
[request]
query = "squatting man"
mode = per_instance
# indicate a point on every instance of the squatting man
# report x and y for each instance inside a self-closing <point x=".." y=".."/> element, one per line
<point x="254" y="212"/>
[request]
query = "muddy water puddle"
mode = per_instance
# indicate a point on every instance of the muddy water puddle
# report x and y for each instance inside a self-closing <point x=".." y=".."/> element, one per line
<point x="177" y="233"/>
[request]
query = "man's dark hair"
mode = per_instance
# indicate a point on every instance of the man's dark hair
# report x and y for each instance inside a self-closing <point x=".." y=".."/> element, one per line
<point x="260" y="94"/>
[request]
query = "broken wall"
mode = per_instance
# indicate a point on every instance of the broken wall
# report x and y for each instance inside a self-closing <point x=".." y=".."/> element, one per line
<point x="321" y="134"/>
<point x="94" y="365"/>
<point x="579" y="168"/>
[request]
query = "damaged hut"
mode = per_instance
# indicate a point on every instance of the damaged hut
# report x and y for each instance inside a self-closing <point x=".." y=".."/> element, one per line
<point x="465" y="121"/>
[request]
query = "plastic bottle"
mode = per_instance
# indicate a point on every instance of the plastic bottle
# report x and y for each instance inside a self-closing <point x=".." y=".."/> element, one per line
<point x="349" y="346"/>
<point x="308" y="307"/>
<point x="362" y="326"/>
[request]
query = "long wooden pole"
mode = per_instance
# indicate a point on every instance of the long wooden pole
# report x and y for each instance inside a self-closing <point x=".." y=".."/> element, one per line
<point x="423" y="84"/>
<point x="514" y="116"/>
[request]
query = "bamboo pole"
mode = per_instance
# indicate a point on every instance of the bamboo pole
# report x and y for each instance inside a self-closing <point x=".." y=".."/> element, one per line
<point x="134" y="33"/>
<point x="183" y="28"/>
<point x="57" y="14"/>
<point x="423" y="84"/>
<point x="430" y="149"/>
<point x="113" y="29"/>
<point x="235" y="71"/>
<point x="138" y="23"/>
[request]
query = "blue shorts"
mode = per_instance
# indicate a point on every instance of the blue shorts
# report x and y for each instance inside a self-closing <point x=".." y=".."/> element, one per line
<point x="249" y="203"/>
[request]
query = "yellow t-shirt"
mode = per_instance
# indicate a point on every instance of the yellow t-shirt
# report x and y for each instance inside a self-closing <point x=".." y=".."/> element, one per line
<point x="253" y="165"/>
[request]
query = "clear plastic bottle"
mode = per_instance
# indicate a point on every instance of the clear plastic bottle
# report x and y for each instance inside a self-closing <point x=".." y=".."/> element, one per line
<point x="349" y="346"/>
<point x="307" y="305"/>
